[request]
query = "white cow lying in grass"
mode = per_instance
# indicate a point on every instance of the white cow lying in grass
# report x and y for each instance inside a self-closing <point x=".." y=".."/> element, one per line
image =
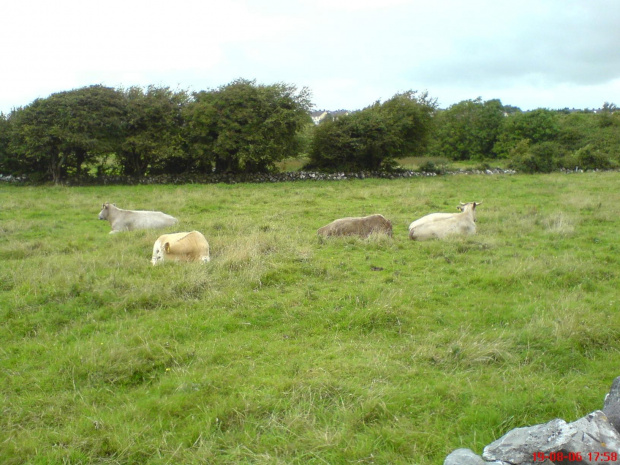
<point x="438" y="216"/>
<point x="362" y="226"/>
<point x="128" y="220"/>
<point x="183" y="246"/>
<point x="463" y="223"/>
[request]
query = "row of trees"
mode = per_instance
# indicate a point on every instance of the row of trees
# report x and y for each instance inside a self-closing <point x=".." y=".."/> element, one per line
<point x="535" y="141"/>
<point x="244" y="127"/>
<point x="240" y="127"/>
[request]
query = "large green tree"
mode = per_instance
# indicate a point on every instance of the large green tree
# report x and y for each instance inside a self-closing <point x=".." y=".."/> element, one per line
<point x="58" y="135"/>
<point x="535" y="126"/>
<point x="91" y="120"/>
<point x="468" y="130"/>
<point x="36" y="143"/>
<point x="371" y="139"/>
<point x="245" y="127"/>
<point x="358" y="141"/>
<point x="151" y="135"/>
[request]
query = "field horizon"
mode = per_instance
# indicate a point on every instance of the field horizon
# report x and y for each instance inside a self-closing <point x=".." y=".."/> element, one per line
<point x="288" y="348"/>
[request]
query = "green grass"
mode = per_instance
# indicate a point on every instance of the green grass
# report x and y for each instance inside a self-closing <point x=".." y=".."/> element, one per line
<point x="290" y="349"/>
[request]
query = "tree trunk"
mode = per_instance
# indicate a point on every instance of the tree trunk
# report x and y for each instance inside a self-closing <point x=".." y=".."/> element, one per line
<point x="55" y="166"/>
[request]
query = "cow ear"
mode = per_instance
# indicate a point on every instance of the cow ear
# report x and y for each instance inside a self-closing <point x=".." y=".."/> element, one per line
<point x="167" y="247"/>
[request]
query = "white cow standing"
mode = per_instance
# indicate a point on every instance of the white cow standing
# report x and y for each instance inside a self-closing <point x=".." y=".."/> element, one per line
<point x="128" y="220"/>
<point x="183" y="246"/>
<point x="463" y="223"/>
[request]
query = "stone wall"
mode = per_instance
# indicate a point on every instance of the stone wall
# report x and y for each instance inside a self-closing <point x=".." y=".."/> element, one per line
<point x="254" y="178"/>
<point x="263" y="177"/>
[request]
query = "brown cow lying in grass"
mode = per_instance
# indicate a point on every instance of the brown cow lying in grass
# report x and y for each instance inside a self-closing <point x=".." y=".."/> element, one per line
<point x="362" y="226"/>
<point x="183" y="246"/>
<point x="128" y="220"/>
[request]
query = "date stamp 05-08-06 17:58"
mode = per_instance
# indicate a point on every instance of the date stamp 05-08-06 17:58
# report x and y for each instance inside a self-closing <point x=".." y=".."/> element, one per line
<point x="576" y="456"/>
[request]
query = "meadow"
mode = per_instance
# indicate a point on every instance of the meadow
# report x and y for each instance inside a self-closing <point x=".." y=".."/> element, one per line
<point x="291" y="349"/>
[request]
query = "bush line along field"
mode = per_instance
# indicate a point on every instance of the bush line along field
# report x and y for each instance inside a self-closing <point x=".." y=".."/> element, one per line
<point x="291" y="349"/>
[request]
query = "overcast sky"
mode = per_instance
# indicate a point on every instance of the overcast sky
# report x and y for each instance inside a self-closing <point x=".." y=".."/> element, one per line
<point x="349" y="53"/>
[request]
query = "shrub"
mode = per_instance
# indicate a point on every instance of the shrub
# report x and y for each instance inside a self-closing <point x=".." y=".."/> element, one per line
<point x="589" y="158"/>
<point x="371" y="139"/>
<point x="432" y="167"/>
<point x="537" y="158"/>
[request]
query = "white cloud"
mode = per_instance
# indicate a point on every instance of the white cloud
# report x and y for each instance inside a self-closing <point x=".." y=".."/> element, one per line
<point x="562" y="52"/>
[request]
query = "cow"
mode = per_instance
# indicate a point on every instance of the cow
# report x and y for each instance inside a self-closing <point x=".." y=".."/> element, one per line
<point x="183" y="247"/>
<point x="437" y="216"/>
<point x="460" y="223"/>
<point x="357" y="226"/>
<point x="128" y="220"/>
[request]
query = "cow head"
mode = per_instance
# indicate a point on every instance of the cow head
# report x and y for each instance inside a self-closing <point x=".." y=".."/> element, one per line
<point x="159" y="251"/>
<point x="105" y="211"/>
<point x="462" y="206"/>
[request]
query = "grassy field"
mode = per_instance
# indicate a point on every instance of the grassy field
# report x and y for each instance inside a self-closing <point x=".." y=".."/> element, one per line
<point x="289" y="349"/>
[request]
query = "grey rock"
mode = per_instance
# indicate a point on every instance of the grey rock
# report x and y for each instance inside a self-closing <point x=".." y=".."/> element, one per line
<point x="463" y="457"/>
<point x="588" y="436"/>
<point x="595" y="436"/>
<point x="519" y="445"/>
<point x="611" y="407"/>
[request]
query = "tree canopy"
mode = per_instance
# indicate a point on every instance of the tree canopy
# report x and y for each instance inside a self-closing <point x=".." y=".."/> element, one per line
<point x="151" y="136"/>
<point x="371" y="139"/>
<point x="245" y="127"/>
<point x="57" y="135"/>
<point x="468" y="130"/>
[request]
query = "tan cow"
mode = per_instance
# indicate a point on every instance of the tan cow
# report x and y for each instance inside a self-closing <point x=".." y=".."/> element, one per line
<point x="357" y="226"/>
<point x="128" y="220"/>
<point x="460" y="223"/>
<point x="183" y="246"/>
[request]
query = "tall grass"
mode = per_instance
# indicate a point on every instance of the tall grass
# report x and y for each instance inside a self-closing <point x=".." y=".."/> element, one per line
<point x="287" y="348"/>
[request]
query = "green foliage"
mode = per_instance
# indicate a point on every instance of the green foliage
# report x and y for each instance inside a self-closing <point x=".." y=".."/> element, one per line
<point x="241" y="127"/>
<point x="536" y="126"/>
<point x="371" y="139"/>
<point x="35" y="141"/>
<point x="353" y="142"/>
<point x="151" y="141"/>
<point x="536" y="158"/>
<point x="589" y="158"/>
<point x="432" y="167"/>
<point x="575" y="129"/>
<point x="56" y="136"/>
<point x="468" y="130"/>
<point x="533" y="141"/>
<point x="290" y="349"/>
<point x="5" y="141"/>
<point x="245" y="127"/>
<point x="409" y="119"/>
<point x="591" y="141"/>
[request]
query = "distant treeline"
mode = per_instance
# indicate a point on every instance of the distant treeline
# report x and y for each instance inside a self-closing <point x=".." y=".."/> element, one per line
<point x="244" y="127"/>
